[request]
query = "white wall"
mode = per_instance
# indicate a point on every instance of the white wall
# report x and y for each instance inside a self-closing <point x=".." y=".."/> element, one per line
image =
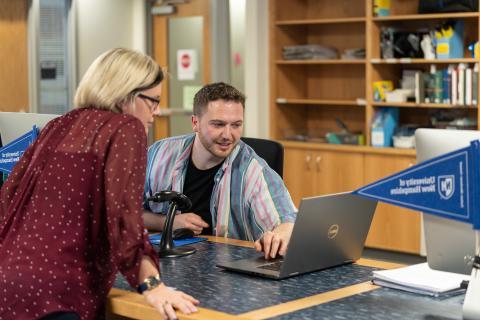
<point x="238" y="20"/>
<point x="256" y="69"/>
<point x="106" y="24"/>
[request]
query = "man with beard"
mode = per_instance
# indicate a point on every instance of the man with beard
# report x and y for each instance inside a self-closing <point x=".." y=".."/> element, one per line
<point x="234" y="192"/>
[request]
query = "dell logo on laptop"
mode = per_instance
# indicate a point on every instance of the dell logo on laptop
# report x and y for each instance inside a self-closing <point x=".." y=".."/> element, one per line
<point x="333" y="231"/>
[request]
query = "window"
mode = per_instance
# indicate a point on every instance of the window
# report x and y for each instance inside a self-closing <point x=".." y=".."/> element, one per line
<point x="51" y="50"/>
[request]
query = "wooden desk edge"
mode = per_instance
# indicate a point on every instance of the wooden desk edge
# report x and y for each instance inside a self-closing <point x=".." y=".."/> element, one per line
<point x="132" y="305"/>
<point x="378" y="264"/>
<point x="235" y="242"/>
<point x="308" y="302"/>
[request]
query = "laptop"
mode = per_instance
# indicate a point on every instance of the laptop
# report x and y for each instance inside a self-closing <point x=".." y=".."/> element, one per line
<point x="329" y="231"/>
<point x="447" y="241"/>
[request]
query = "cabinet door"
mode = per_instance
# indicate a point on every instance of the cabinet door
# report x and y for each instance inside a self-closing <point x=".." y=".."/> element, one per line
<point x="14" y="55"/>
<point x="299" y="173"/>
<point x="338" y="171"/>
<point x="393" y="228"/>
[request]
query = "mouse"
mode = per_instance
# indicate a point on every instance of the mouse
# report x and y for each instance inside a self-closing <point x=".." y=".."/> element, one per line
<point x="182" y="233"/>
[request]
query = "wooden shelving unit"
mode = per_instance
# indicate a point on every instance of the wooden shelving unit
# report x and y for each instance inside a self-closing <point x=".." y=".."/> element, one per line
<point x="320" y="102"/>
<point x="320" y="21"/>
<point x="309" y="62"/>
<point x="430" y="16"/>
<point x="423" y="61"/>
<point x="420" y="105"/>
<point x="309" y="95"/>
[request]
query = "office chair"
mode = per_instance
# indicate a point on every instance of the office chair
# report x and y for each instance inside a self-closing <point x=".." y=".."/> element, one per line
<point x="269" y="150"/>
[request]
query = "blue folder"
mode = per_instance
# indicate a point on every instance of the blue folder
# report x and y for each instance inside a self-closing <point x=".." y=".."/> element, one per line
<point x="155" y="239"/>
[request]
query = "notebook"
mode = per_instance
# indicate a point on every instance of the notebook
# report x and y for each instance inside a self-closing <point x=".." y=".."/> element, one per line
<point x="419" y="278"/>
<point x="329" y="231"/>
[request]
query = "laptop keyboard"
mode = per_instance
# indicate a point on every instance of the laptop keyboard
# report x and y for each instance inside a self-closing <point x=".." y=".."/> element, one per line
<point x="275" y="265"/>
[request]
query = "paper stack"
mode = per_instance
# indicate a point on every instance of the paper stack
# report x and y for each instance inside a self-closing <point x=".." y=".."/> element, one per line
<point x="419" y="278"/>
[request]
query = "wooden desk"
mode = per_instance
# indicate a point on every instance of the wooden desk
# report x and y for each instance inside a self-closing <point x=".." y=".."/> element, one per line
<point x="226" y="295"/>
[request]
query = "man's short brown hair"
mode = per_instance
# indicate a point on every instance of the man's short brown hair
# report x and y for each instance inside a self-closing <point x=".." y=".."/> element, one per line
<point x="213" y="92"/>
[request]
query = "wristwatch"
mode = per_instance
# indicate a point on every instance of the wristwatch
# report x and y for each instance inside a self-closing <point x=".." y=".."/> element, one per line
<point x="149" y="283"/>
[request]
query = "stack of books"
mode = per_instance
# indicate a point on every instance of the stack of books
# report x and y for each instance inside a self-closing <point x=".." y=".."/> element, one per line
<point x="419" y="278"/>
<point x="309" y="51"/>
<point x="456" y="85"/>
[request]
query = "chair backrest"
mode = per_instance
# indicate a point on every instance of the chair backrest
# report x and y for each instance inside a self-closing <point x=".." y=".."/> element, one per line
<point x="270" y="151"/>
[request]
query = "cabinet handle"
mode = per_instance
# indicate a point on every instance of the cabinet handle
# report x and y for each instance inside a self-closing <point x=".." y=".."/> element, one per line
<point x="317" y="162"/>
<point x="308" y="158"/>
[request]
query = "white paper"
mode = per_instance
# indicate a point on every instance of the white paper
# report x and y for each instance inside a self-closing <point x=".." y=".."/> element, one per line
<point x="421" y="277"/>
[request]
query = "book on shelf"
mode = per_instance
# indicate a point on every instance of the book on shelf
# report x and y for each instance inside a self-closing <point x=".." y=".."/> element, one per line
<point x="468" y="86"/>
<point x="475" y="84"/>
<point x="447" y="85"/>
<point x="420" y="279"/>
<point x="454" y="86"/>
<point x="438" y="86"/>
<point x="419" y="87"/>
<point x="461" y="84"/>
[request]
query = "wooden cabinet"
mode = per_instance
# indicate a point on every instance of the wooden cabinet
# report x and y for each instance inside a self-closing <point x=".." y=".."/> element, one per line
<point x="14" y="56"/>
<point x="315" y="172"/>
<point x="300" y="173"/>
<point x="393" y="227"/>
<point x="339" y="171"/>
<point x="313" y="169"/>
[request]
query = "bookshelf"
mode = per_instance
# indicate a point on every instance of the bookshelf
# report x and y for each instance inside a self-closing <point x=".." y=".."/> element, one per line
<point x="307" y="96"/>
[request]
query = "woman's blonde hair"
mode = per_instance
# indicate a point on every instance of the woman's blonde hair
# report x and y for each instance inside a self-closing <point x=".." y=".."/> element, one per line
<point x="114" y="77"/>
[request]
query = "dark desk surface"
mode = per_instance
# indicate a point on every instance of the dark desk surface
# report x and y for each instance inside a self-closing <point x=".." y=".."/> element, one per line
<point x="383" y="303"/>
<point x="341" y="293"/>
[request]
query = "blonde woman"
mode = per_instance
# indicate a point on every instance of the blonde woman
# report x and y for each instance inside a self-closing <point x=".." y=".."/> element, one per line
<point x="70" y="214"/>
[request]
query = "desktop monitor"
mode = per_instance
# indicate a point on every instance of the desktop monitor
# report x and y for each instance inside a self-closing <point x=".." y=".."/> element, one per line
<point x="447" y="241"/>
<point x="16" y="124"/>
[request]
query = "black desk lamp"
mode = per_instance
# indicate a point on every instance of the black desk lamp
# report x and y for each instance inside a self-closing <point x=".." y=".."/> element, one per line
<point x="180" y="202"/>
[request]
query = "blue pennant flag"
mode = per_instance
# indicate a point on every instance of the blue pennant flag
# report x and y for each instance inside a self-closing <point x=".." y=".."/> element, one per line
<point x="445" y="186"/>
<point x="11" y="153"/>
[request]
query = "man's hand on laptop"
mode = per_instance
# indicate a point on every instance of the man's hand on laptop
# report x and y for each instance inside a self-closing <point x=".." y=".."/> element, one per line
<point x="191" y="221"/>
<point x="275" y="242"/>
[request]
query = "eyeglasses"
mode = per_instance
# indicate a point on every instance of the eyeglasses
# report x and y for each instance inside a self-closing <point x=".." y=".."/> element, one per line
<point x="154" y="102"/>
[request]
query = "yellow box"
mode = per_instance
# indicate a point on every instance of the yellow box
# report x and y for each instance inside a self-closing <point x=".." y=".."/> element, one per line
<point x="381" y="8"/>
<point x="380" y="88"/>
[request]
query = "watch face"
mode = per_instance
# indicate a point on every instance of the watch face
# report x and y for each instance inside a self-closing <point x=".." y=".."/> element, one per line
<point x="153" y="282"/>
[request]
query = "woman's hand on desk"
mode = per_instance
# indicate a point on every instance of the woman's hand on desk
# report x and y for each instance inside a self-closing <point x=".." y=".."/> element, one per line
<point x="276" y="241"/>
<point x="165" y="300"/>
